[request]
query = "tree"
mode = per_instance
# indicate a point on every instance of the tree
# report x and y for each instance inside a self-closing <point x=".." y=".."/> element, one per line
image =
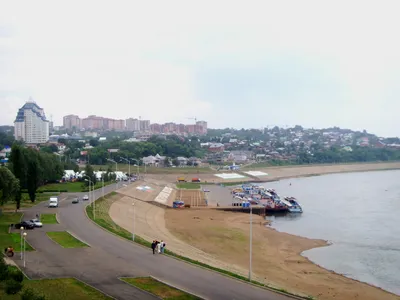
<point x="175" y="162"/>
<point x="33" y="174"/>
<point x="9" y="186"/>
<point x="89" y="172"/>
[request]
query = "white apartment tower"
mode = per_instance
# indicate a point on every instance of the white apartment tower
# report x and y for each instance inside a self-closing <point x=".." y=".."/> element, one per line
<point x="31" y="125"/>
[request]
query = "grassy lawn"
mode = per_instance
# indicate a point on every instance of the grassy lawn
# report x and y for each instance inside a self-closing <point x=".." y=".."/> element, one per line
<point x="26" y="202"/>
<point x="71" y="187"/>
<point x="11" y="239"/>
<point x="159" y="289"/>
<point x="48" y="219"/>
<point x="188" y="185"/>
<point x="154" y="170"/>
<point x="58" y="289"/>
<point x="64" y="239"/>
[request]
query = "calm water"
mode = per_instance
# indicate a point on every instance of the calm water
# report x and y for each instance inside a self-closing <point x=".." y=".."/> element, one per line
<point x="359" y="214"/>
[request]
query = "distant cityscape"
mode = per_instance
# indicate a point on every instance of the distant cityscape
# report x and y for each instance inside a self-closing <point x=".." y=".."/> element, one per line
<point x="32" y="126"/>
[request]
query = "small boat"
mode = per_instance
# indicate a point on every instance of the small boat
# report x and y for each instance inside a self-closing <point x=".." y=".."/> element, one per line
<point x="292" y="204"/>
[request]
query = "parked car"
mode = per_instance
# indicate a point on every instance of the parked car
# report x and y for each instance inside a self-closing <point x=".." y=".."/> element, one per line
<point x="36" y="222"/>
<point x="86" y="197"/>
<point x="76" y="200"/>
<point x="25" y="224"/>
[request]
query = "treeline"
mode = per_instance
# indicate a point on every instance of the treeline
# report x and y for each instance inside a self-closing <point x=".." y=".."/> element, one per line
<point x="171" y="146"/>
<point x="358" y="154"/>
<point x="30" y="169"/>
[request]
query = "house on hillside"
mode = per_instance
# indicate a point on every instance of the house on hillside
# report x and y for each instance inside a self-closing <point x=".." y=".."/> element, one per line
<point x="155" y="161"/>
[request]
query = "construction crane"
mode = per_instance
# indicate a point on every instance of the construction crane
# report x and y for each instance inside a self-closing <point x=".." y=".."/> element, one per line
<point x="195" y="119"/>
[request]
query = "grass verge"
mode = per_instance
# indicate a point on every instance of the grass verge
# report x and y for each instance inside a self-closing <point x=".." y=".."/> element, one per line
<point x="159" y="289"/>
<point x="66" y="240"/>
<point x="57" y="289"/>
<point x="48" y="219"/>
<point x="104" y="220"/>
<point x="188" y="185"/>
<point x="11" y="239"/>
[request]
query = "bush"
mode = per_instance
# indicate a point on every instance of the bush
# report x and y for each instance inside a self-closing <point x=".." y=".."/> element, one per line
<point x="29" y="294"/>
<point x="13" y="287"/>
<point x="16" y="275"/>
<point x="3" y="269"/>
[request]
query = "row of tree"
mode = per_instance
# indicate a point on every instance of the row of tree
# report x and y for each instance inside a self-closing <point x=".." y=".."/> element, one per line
<point x="28" y="169"/>
<point x="358" y="154"/>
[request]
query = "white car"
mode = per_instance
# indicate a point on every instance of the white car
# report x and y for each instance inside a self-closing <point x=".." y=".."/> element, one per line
<point x="86" y="197"/>
<point x="37" y="223"/>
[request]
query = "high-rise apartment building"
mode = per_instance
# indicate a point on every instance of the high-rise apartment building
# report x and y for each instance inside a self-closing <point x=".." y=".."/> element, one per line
<point x="144" y="125"/>
<point x="31" y="125"/>
<point x="133" y="124"/>
<point x="201" y="127"/>
<point x="71" y="122"/>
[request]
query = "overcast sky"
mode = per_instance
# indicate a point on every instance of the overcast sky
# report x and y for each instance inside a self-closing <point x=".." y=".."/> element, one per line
<point x="231" y="63"/>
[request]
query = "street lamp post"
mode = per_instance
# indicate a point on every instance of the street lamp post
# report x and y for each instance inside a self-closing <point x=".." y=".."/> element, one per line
<point x="116" y="169"/>
<point x="92" y="196"/>
<point x="102" y="187"/>
<point x="21" y="233"/>
<point x="133" y="230"/>
<point x="251" y="241"/>
<point x="129" y="165"/>
<point x="25" y="234"/>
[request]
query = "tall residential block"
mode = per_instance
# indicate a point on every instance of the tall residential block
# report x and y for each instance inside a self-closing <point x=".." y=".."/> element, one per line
<point x="133" y="124"/>
<point x="71" y="121"/>
<point x="144" y="125"/>
<point x="31" y="125"/>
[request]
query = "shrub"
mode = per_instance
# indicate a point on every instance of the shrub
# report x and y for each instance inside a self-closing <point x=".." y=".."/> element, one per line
<point x="16" y="275"/>
<point x="3" y="269"/>
<point x="29" y="294"/>
<point x="12" y="287"/>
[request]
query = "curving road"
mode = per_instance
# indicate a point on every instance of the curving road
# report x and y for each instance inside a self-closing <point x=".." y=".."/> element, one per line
<point x="110" y="257"/>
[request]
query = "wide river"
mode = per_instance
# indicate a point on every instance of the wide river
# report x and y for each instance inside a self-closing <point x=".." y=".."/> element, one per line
<point x="358" y="213"/>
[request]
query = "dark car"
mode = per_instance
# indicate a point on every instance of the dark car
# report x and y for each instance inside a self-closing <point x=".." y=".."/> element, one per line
<point x="76" y="200"/>
<point x="25" y="224"/>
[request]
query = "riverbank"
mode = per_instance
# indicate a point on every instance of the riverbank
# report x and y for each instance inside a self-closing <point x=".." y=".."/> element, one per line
<point x="280" y="172"/>
<point x="276" y="255"/>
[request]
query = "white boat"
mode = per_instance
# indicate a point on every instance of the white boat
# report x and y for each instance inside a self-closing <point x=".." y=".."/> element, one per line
<point x="292" y="204"/>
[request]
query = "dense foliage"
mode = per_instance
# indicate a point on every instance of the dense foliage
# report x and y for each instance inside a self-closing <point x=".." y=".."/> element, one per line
<point x="171" y="146"/>
<point x="34" y="168"/>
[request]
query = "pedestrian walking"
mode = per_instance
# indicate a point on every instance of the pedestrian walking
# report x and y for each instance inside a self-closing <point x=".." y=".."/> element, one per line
<point x="158" y="247"/>
<point x="162" y="246"/>
<point x="153" y="246"/>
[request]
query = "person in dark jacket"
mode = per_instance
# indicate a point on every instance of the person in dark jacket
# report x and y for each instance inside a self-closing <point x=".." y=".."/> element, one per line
<point x="153" y="246"/>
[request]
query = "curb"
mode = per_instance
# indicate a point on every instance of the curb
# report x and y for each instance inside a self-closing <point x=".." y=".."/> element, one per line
<point x="153" y="295"/>
<point x="78" y="238"/>
<point x="175" y="287"/>
<point x="198" y="266"/>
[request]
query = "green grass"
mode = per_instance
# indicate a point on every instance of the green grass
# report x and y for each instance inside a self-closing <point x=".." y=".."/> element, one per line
<point x="11" y="239"/>
<point x="104" y="220"/>
<point x="57" y="289"/>
<point x="48" y="219"/>
<point x="26" y="202"/>
<point x="188" y="185"/>
<point x="154" y="170"/>
<point x="159" y="289"/>
<point x="71" y="187"/>
<point x="66" y="240"/>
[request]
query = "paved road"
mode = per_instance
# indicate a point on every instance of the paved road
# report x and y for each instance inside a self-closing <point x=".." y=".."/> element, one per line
<point x="110" y="257"/>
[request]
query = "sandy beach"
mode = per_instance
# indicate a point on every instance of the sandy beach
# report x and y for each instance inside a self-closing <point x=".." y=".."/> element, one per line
<point x="276" y="173"/>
